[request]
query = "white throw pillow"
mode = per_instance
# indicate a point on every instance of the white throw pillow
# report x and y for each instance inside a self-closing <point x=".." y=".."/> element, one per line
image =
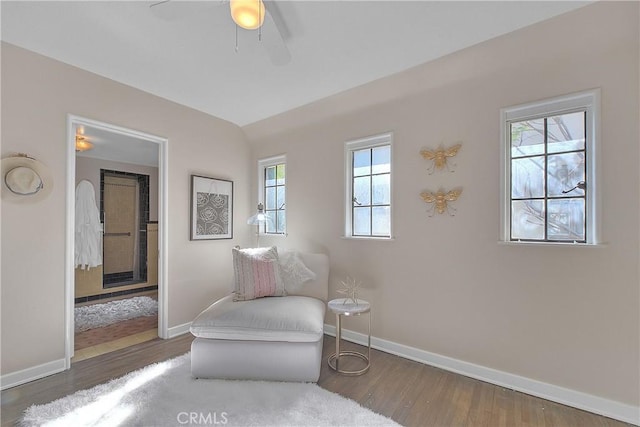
<point x="294" y="272"/>
<point x="257" y="273"/>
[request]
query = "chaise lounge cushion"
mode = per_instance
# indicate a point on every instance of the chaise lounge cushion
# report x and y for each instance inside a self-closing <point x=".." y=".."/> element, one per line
<point x="286" y="319"/>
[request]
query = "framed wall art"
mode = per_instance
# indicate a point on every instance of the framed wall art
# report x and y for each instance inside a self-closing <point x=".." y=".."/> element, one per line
<point x="211" y="208"/>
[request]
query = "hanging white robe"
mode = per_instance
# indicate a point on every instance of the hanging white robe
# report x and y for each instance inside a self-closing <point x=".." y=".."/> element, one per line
<point x="88" y="239"/>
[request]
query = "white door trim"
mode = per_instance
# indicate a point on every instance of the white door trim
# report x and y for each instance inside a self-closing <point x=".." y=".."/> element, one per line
<point x="73" y="122"/>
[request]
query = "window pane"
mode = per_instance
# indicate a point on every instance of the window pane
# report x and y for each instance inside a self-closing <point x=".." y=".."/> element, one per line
<point x="270" y="198"/>
<point x="381" y="159"/>
<point x="381" y="189"/>
<point x="281" y="222"/>
<point x="548" y="198"/>
<point x="369" y="186"/>
<point x="564" y="172"/>
<point x="381" y="221"/>
<point x="270" y="225"/>
<point x="527" y="219"/>
<point x="362" y="162"/>
<point x="527" y="138"/>
<point x="566" y="132"/>
<point x="270" y="176"/>
<point x="361" y="221"/>
<point x="527" y="177"/>
<point x="280" y="174"/>
<point x="280" y="202"/>
<point x="362" y="190"/>
<point x="566" y="219"/>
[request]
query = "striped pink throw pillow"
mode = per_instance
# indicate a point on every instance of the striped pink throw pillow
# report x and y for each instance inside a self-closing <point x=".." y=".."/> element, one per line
<point x="256" y="273"/>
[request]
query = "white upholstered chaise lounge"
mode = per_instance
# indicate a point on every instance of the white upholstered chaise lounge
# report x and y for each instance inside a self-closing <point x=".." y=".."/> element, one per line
<point x="270" y="338"/>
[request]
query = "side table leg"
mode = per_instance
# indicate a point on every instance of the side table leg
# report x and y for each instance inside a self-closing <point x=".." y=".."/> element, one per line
<point x="369" y="342"/>
<point x="338" y="337"/>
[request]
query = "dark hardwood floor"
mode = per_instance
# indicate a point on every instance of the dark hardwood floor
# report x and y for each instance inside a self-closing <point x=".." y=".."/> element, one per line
<point x="414" y="394"/>
<point x="409" y="392"/>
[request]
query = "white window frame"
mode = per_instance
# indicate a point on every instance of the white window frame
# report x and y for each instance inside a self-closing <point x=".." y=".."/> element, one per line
<point x="349" y="148"/>
<point x="262" y="165"/>
<point x="587" y="100"/>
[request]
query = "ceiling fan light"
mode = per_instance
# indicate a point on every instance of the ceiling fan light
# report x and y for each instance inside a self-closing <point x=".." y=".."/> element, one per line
<point x="82" y="144"/>
<point x="248" y="14"/>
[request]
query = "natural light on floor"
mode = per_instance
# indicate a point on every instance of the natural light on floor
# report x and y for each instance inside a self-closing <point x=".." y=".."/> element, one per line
<point x="107" y="410"/>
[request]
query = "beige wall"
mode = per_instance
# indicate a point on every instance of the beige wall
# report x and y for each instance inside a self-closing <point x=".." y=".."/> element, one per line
<point x="37" y="95"/>
<point x="562" y="315"/>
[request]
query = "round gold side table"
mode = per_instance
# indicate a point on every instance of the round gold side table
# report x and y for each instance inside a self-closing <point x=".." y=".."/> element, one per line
<point x="346" y="307"/>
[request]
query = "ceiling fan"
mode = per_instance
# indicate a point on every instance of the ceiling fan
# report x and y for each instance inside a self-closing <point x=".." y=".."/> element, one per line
<point x="262" y="15"/>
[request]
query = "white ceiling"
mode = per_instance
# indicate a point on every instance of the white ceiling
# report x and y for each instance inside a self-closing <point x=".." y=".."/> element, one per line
<point x="187" y="55"/>
<point x="119" y="147"/>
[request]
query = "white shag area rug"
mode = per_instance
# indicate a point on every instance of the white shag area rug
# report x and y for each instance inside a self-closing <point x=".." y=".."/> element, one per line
<point x="165" y="394"/>
<point x="99" y="315"/>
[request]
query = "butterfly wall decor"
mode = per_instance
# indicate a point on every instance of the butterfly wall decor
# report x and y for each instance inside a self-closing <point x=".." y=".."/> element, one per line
<point x="440" y="200"/>
<point x="439" y="157"/>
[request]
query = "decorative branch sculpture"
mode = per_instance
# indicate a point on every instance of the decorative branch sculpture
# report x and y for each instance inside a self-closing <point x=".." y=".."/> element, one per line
<point x="350" y="290"/>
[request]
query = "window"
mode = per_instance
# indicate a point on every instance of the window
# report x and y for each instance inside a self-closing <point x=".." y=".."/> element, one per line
<point x="368" y="187"/>
<point x="549" y="170"/>
<point x="272" y="185"/>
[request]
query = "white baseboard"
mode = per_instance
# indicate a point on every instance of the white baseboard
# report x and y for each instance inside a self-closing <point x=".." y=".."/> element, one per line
<point x="35" y="373"/>
<point x="31" y="374"/>
<point x="577" y="399"/>
<point x="178" y="330"/>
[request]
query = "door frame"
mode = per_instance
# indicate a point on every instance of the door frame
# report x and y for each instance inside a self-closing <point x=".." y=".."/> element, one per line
<point x="73" y="122"/>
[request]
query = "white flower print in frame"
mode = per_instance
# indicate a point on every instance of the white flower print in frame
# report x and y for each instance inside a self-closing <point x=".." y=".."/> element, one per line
<point x="211" y="208"/>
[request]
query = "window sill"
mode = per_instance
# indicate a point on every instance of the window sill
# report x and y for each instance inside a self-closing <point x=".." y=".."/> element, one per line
<point x="554" y="244"/>
<point x="377" y="239"/>
<point x="277" y="235"/>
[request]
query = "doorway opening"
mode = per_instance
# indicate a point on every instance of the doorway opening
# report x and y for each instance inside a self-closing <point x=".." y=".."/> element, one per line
<point x="117" y="298"/>
<point x="124" y="211"/>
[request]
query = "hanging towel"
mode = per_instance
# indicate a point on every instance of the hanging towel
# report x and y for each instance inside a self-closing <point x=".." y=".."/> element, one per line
<point x="88" y="247"/>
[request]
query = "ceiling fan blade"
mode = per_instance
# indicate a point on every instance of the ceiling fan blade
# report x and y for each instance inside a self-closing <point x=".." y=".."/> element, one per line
<point x="159" y="3"/>
<point x="274" y="30"/>
<point x="274" y="10"/>
<point x="176" y="10"/>
<point x="164" y="10"/>
<point x="274" y="35"/>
